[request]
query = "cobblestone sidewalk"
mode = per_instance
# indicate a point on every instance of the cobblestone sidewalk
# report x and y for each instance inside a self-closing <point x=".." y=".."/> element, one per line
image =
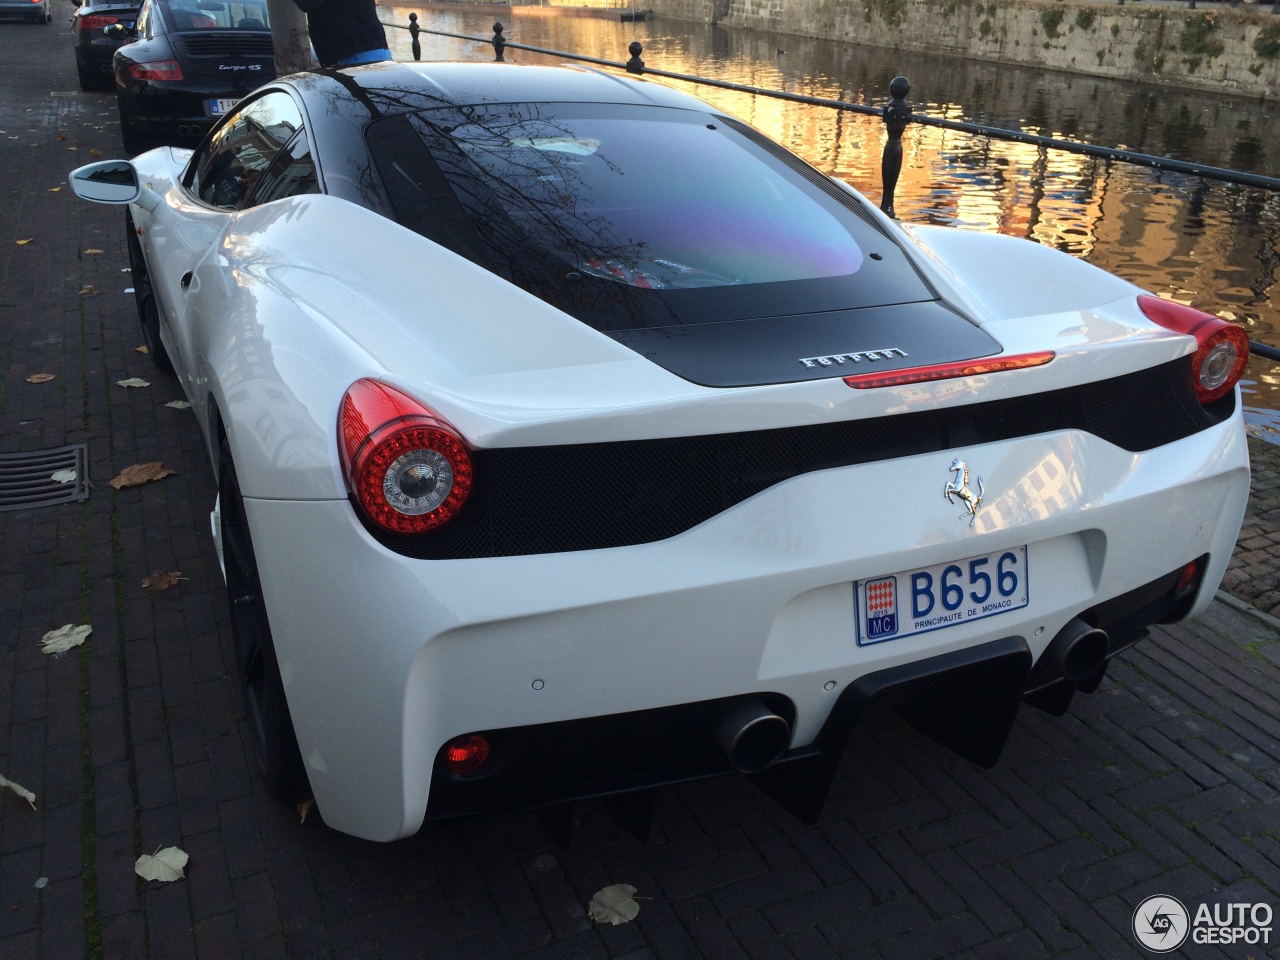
<point x="1163" y="782"/>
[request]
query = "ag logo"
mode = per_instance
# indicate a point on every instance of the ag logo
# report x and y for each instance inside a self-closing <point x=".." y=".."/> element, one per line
<point x="1161" y="923"/>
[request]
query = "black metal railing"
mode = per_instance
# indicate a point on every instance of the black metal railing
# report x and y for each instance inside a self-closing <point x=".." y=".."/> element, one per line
<point x="896" y="114"/>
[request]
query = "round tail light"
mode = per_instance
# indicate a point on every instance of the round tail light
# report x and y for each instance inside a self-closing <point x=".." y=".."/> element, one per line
<point x="407" y="469"/>
<point x="1222" y="349"/>
<point x="466" y="754"/>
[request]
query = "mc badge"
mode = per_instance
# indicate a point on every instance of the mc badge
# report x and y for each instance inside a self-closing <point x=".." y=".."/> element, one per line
<point x="881" y="608"/>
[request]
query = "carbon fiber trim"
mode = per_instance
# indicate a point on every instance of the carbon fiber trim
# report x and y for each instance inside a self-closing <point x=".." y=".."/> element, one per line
<point x="532" y="500"/>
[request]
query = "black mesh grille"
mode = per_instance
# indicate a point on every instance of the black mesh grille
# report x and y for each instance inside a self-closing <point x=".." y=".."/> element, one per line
<point x="531" y="500"/>
<point x="228" y="43"/>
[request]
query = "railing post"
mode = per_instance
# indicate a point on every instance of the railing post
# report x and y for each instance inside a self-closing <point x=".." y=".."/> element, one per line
<point x="897" y="113"/>
<point x="635" y="64"/>
<point x="414" y="29"/>
<point x="499" y="43"/>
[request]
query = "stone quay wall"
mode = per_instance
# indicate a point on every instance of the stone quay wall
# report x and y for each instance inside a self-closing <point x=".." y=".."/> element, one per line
<point x="1235" y="51"/>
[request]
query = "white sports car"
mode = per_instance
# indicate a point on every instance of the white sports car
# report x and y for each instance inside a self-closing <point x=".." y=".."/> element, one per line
<point x="573" y="439"/>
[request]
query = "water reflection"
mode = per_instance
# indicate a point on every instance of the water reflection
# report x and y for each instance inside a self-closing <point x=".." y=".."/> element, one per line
<point x="1212" y="245"/>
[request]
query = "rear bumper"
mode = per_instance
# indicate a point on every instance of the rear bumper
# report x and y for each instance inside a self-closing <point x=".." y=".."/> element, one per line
<point x="385" y="658"/>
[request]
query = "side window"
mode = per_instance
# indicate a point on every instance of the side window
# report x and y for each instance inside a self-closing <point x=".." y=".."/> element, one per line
<point x="242" y="150"/>
<point x="292" y="174"/>
<point x="143" y="26"/>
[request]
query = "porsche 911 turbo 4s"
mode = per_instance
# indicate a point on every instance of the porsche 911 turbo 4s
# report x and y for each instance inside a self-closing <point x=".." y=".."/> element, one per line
<point x="573" y="439"/>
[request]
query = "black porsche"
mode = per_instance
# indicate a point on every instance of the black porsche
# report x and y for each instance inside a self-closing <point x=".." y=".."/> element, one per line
<point x="191" y="61"/>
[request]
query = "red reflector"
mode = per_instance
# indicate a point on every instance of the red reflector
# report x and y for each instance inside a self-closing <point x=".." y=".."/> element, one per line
<point x="1222" y="349"/>
<point x="156" y="70"/>
<point x="94" y="21"/>
<point x="1188" y="576"/>
<point x="948" y="371"/>
<point x="467" y="753"/>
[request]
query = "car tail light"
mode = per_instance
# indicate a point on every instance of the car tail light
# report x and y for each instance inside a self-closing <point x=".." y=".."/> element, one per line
<point x="408" y="469"/>
<point x="156" y="70"/>
<point x="94" y="21"/>
<point x="466" y="754"/>
<point x="947" y="371"/>
<point x="1222" y="350"/>
<point x="1189" y="578"/>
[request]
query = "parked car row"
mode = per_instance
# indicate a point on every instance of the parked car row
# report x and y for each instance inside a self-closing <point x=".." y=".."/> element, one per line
<point x="37" y="10"/>
<point x="177" y="66"/>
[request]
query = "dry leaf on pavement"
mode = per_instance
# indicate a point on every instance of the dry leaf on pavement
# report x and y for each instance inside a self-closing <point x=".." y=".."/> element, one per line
<point x="20" y="790"/>
<point x="93" y="250"/>
<point x="304" y="808"/>
<point x="134" y="382"/>
<point x="95" y="152"/>
<point x="42" y="883"/>
<point x="140" y="473"/>
<point x="163" y="865"/>
<point x="59" y="137"/>
<point x="88" y="290"/>
<point x="63" y="476"/>
<point x="178" y="404"/>
<point x="614" y="905"/>
<point x="64" y="638"/>
<point x="55" y="189"/>
<point x="23" y="243"/>
<point x="142" y="349"/>
<point x="40" y="378"/>
<point x="161" y="580"/>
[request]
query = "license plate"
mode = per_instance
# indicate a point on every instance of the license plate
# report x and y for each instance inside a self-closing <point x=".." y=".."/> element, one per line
<point x="218" y="107"/>
<point x="931" y="598"/>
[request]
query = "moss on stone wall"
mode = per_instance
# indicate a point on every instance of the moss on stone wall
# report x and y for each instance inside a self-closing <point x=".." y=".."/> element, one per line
<point x="1267" y="43"/>
<point x="1085" y="19"/>
<point x="1199" y="38"/>
<point x="1051" y="20"/>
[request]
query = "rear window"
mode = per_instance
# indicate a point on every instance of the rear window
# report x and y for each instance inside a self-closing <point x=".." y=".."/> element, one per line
<point x="184" y="15"/>
<point x="624" y="216"/>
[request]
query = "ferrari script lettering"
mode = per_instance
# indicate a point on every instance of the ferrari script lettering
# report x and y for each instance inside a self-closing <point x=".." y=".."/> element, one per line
<point x="838" y="358"/>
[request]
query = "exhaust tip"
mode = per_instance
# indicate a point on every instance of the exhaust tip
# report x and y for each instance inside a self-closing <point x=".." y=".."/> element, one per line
<point x="1079" y="650"/>
<point x="753" y="737"/>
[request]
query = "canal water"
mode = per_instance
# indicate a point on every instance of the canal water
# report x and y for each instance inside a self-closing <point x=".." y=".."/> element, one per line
<point x="1212" y="245"/>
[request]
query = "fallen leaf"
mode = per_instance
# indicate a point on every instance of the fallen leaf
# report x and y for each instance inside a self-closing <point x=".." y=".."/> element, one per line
<point x="163" y="865"/>
<point x="23" y="243"/>
<point x="93" y="250"/>
<point x="134" y="382"/>
<point x="42" y="883"/>
<point x="304" y="808"/>
<point x="178" y="404"/>
<point x="162" y="581"/>
<point x="64" y="638"/>
<point x="88" y="290"/>
<point x="59" y="137"/>
<point x="142" y="349"/>
<point x="140" y="473"/>
<point x="20" y="790"/>
<point x="63" y="476"/>
<point x="614" y="905"/>
<point x="41" y="378"/>
<point x="95" y="152"/>
<point x="55" y="189"/>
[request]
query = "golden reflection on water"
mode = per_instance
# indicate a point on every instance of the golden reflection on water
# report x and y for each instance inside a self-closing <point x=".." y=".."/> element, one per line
<point x="1212" y="245"/>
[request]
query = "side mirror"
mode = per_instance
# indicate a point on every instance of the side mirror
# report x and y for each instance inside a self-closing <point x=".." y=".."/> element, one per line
<point x="112" y="181"/>
<point x="116" y="31"/>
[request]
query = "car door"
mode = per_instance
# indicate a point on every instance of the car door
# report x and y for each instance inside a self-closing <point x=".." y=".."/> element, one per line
<point x="220" y="180"/>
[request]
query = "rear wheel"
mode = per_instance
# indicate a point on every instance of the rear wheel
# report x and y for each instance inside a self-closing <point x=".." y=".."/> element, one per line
<point x="270" y="725"/>
<point x="145" y="297"/>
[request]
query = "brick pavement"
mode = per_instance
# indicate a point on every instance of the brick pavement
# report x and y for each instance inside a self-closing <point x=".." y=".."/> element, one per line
<point x="1165" y="781"/>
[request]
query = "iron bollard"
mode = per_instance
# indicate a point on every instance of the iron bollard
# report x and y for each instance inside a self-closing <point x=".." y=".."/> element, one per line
<point x="499" y="43"/>
<point x="896" y="116"/>
<point x="635" y="64"/>
<point x="414" y="29"/>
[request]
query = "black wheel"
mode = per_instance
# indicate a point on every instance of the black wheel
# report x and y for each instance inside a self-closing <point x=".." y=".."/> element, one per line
<point x="144" y="296"/>
<point x="269" y="722"/>
<point x="133" y="142"/>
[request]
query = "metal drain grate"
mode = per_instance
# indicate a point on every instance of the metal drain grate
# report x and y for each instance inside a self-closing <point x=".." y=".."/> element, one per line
<point x="26" y="479"/>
